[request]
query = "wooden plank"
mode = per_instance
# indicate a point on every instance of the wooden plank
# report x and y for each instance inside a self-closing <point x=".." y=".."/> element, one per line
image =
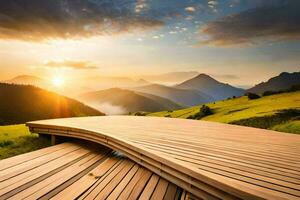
<point x="13" y="161"/>
<point x="149" y="189"/>
<point x="72" y="180"/>
<point x="30" y="175"/>
<point x="82" y="185"/>
<point x="257" y="159"/>
<point x="237" y="169"/>
<point x="115" y="182"/>
<point x="140" y="185"/>
<point x="48" y="184"/>
<point x="171" y="192"/>
<point x="170" y="148"/>
<point x="81" y="178"/>
<point x="228" y="147"/>
<point x="117" y="190"/>
<point x="102" y="183"/>
<point x="253" y="168"/>
<point x="131" y="185"/>
<point x="36" y="162"/>
<point x="160" y="190"/>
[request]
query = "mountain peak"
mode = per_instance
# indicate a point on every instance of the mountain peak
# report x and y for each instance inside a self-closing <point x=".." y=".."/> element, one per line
<point x="284" y="74"/>
<point x="208" y="85"/>
<point x="204" y="76"/>
<point x="201" y="79"/>
<point x="142" y="81"/>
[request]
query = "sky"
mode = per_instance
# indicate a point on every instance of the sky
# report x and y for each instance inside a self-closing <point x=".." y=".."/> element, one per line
<point x="241" y="42"/>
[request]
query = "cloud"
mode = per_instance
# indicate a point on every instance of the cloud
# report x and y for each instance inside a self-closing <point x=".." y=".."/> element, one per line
<point x="37" y="20"/>
<point x="73" y="64"/>
<point x="141" y="5"/>
<point x="273" y="22"/>
<point x="190" y="9"/>
<point x="212" y="3"/>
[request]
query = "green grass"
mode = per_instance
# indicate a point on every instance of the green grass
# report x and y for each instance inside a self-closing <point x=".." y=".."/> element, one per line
<point x="16" y="139"/>
<point x="239" y="109"/>
<point x="289" y="127"/>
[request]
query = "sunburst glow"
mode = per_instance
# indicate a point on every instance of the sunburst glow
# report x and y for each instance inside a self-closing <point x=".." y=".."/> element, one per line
<point x="58" y="81"/>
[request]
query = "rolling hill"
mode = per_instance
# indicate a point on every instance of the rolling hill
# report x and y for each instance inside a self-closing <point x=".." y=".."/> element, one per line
<point x="181" y="96"/>
<point x="121" y="101"/>
<point x="279" y="112"/>
<point x="20" y="103"/>
<point x="281" y="82"/>
<point x="211" y="87"/>
<point x="28" y="80"/>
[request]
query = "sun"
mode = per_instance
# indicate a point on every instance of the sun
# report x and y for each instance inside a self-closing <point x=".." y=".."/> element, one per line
<point x="58" y="81"/>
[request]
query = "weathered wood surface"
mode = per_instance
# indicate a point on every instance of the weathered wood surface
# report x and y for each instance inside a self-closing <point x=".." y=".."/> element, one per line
<point x="73" y="171"/>
<point x="210" y="160"/>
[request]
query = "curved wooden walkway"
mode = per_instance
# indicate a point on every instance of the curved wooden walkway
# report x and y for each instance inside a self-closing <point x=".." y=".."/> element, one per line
<point x="76" y="171"/>
<point x="210" y="160"/>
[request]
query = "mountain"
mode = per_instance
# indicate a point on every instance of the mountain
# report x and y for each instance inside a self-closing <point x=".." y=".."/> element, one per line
<point x="180" y="96"/>
<point x="107" y="82"/>
<point x="171" y="77"/>
<point x="283" y="81"/>
<point x="21" y="103"/>
<point x="68" y="89"/>
<point x="28" y="80"/>
<point x="121" y="101"/>
<point x="211" y="87"/>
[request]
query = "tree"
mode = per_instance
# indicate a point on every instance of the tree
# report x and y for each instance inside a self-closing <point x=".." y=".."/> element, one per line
<point x="204" y="111"/>
<point x="252" y="96"/>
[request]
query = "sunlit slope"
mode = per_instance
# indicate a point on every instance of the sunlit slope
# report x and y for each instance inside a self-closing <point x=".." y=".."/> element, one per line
<point x="20" y="104"/>
<point x="16" y="139"/>
<point x="240" y="109"/>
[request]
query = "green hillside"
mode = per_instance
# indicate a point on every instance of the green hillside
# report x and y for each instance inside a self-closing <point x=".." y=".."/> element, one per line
<point x="279" y="112"/>
<point x="16" y="139"/>
<point x="21" y="103"/>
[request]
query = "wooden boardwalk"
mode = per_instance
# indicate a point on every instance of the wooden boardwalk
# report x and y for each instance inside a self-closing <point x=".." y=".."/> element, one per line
<point x="73" y="171"/>
<point x="210" y="160"/>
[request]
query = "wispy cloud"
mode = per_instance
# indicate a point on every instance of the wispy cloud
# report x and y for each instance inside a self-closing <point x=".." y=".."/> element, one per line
<point x="141" y="5"/>
<point x="190" y="9"/>
<point x="213" y="5"/>
<point x="73" y="64"/>
<point x="38" y="20"/>
<point x="273" y="22"/>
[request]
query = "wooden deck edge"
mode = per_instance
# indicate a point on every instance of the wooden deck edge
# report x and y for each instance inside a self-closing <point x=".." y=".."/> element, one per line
<point x="189" y="180"/>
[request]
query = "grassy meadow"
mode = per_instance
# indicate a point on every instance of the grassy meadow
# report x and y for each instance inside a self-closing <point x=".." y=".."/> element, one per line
<point x="280" y="112"/>
<point x="16" y="139"/>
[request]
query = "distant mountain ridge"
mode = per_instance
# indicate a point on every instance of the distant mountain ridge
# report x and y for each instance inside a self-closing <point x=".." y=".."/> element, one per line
<point x="21" y="103"/>
<point x="27" y="80"/>
<point x="211" y="87"/>
<point x="283" y="81"/>
<point x="171" y="77"/>
<point x="121" y="101"/>
<point x="184" y="97"/>
<point x="107" y="82"/>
